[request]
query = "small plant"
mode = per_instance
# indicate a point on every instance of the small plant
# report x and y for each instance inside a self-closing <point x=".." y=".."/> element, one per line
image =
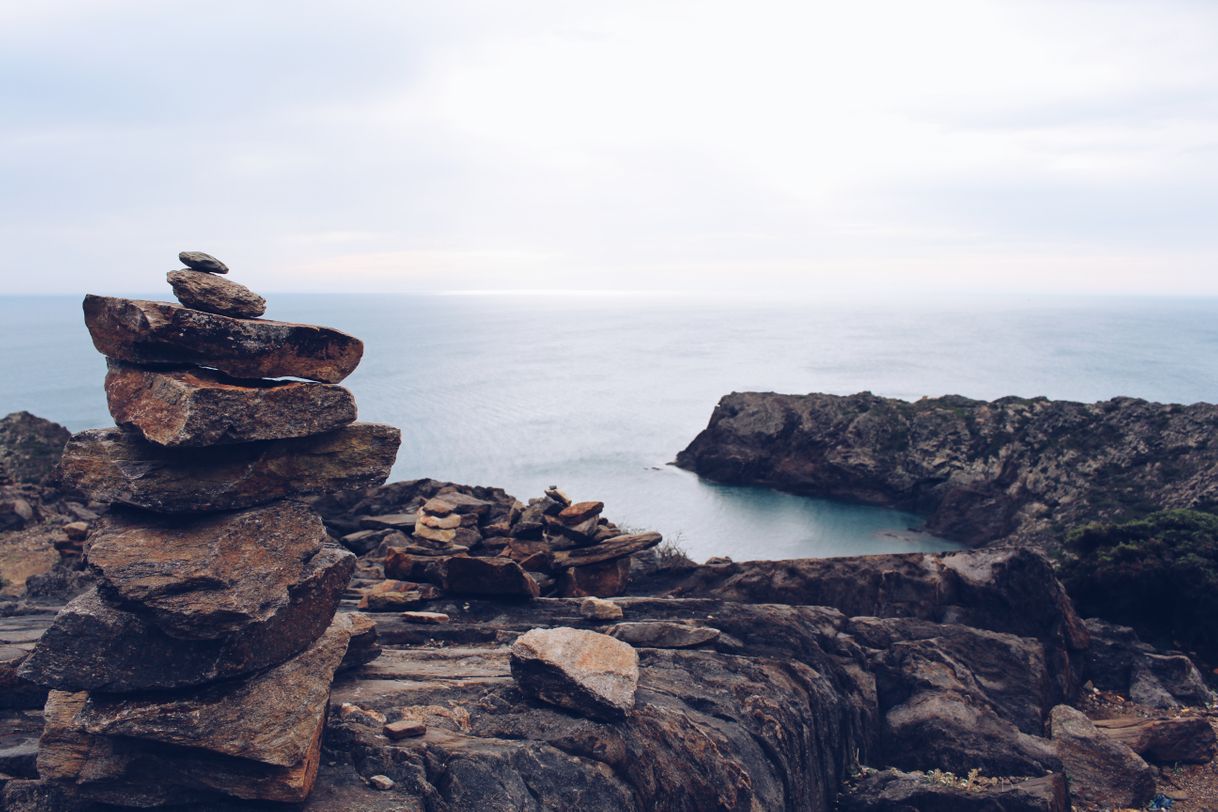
<point x="670" y="554"/>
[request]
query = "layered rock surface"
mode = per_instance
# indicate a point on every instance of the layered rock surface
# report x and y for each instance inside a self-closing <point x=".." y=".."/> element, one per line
<point x="1025" y="470"/>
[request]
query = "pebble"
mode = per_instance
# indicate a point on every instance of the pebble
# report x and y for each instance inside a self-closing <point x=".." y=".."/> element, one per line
<point x="198" y="261"/>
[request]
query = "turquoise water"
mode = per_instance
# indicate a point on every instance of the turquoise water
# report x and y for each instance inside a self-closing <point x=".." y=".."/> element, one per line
<point x="598" y="393"/>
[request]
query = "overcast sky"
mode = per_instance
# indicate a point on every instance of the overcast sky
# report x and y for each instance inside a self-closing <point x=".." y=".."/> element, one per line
<point x="808" y="146"/>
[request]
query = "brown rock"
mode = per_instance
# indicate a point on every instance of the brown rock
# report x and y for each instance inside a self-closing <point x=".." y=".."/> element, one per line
<point x="214" y="294"/>
<point x="29" y="447"/>
<point x="424" y="617"/>
<point x="1102" y="771"/>
<point x="199" y="261"/>
<point x="1187" y="739"/>
<point x="489" y="576"/>
<point x="77" y="531"/>
<point x="580" y="512"/>
<point x="422" y="531"/>
<point x="437" y="506"/>
<point x="204" y="577"/>
<point x="404" y="729"/>
<point x="363" y="647"/>
<point x="534" y="556"/>
<point x="116" y="770"/>
<point x="604" y="580"/>
<point x="197" y="407"/>
<point x="145" y="332"/>
<point x="450" y="522"/>
<point x="94" y="646"/>
<point x="599" y="609"/>
<point x="580" y="670"/>
<point x="271" y="717"/>
<point x="607" y="550"/>
<point x="112" y="466"/>
<point x="406" y="566"/>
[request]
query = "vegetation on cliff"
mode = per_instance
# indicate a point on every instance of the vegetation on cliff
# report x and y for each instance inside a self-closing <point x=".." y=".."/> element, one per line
<point x="1158" y="574"/>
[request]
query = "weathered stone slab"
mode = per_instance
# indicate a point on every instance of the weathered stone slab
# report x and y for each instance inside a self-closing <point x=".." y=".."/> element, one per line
<point x="215" y="294"/>
<point x="489" y="576"/>
<point x="117" y="770"/>
<point x="580" y="670"/>
<point x="198" y="407"/>
<point x="617" y="547"/>
<point x="112" y="466"/>
<point x="270" y="717"/>
<point x="1172" y="740"/>
<point x="142" y="332"/>
<point x="94" y="646"/>
<point x="1102" y="770"/>
<point x="662" y="633"/>
<point x="204" y="577"/>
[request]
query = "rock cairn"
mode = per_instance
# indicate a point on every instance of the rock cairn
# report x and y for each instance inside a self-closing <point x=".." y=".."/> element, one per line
<point x="201" y="663"/>
<point x="423" y="539"/>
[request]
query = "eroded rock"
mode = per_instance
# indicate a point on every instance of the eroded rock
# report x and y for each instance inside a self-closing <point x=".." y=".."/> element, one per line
<point x="199" y="261"/>
<point x="197" y="407"/>
<point x="112" y="466"/>
<point x="1102" y="770"/>
<point x="583" y="671"/>
<point x="215" y="294"/>
<point x="146" y="332"/>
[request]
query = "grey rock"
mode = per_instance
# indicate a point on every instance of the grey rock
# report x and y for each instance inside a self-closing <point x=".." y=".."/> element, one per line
<point x="1102" y="770"/>
<point x="215" y="294"/>
<point x="198" y="261"/>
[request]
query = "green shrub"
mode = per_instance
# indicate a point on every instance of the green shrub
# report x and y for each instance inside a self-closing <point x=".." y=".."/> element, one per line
<point x="1158" y="574"/>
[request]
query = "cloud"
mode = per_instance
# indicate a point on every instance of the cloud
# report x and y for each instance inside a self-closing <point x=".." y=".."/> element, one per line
<point x="464" y="144"/>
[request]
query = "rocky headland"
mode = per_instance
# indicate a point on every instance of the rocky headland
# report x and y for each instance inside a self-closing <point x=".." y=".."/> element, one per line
<point x="217" y="606"/>
<point x="1020" y="470"/>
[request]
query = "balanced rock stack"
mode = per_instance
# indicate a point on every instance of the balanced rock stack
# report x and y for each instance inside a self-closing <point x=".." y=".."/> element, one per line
<point x="201" y="663"/>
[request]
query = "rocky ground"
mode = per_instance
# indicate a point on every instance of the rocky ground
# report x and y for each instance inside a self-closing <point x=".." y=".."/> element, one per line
<point x="1019" y="470"/>
<point x="963" y="681"/>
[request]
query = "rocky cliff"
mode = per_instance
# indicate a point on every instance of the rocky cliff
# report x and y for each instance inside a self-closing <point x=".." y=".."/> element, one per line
<point x="1014" y="469"/>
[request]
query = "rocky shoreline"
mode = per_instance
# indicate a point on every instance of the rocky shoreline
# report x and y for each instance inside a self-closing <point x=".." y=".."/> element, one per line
<point x="1014" y="470"/>
<point x="500" y="654"/>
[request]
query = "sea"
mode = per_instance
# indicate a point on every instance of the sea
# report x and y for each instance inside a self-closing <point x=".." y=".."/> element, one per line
<point x="596" y="393"/>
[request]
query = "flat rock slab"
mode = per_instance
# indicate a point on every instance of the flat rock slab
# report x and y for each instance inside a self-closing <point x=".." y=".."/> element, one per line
<point x="1187" y="739"/>
<point x="198" y="407"/>
<point x="1102" y="770"/>
<point x="584" y="671"/>
<point x="129" y="772"/>
<point x="888" y="790"/>
<point x="204" y="577"/>
<point x="662" y="634"/>
<point x="608" y="550"/>
<point x="94" y="646"/>
<point x="113" y="466"/>
<point x="142" y="332"/>
<point x="215" y="294"/>
<point x="271" y="717"/>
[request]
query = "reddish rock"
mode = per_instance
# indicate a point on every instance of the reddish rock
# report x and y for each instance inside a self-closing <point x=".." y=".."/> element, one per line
<point x="214" y="294"/>
<point x="489" y="576"/>
<point x="581" y="670"/>
<point x="197" y="407"/>
<point x="618" y="547"/>
<point x="112" y="466"/>
<point x="580" y="512"/>
<point x="604" y="580"/>
<point x="205" y="577"/>
<point x="159" y="332"/>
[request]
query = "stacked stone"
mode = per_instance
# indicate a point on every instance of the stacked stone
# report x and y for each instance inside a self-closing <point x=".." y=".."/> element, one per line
<point x="201" y="663"/>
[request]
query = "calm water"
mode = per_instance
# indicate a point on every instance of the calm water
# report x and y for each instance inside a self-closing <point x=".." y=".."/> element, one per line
<point x="597" y="394"/>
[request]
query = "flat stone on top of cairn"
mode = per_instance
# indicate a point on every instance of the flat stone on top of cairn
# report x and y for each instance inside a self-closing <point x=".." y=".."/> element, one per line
<point x="200" y="665"/>
<point x="198" y="261"/>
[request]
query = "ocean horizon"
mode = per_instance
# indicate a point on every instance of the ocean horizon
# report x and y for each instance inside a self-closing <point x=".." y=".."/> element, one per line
<point x="597" y="393"/>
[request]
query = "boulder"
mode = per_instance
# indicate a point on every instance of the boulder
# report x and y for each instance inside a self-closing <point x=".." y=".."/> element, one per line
<point x="197" y="407"/>
<point x="145" y="332"/>
<point x="662" y="634"/>
<point x="214" y="294"/>
<point x="96" y="647"/>
<point x="1102" y="770"/>
<point x="199" y="261"/>
<point x="209" y="576"/>
<point x="112" y="466"/>
<point x="271" y="717"/>
<point x="1187" y="739"/>
<point x="1166" y="681"/>
<point x="896" y="791"/>
<point x="606" y="579"/>
<point x="489" y="576"/>
<point x="29" y="448"/>
<point x="590" y="673"/>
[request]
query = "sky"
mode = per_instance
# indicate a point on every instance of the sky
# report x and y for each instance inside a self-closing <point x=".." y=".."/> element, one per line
<point x="818" y="148"/>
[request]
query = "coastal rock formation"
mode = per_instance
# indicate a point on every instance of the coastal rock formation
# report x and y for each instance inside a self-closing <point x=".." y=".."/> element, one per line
<point x="198" y="407"/>
<point x="200" y="666"/>
<point x="143" y="332"/>
<point x="1022" y="470"/>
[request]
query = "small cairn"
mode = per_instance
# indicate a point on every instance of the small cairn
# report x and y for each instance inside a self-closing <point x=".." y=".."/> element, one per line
<point x="200" y="665"/>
